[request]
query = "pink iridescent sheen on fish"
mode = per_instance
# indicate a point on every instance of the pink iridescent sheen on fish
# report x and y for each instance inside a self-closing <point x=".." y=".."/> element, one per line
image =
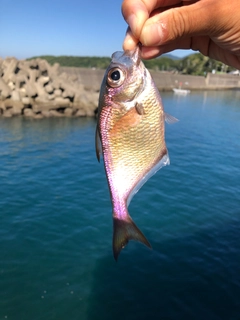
<point x="130" y="135"/>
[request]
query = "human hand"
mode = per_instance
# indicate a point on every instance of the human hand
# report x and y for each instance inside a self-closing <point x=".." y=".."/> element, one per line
<point x="209" y="26"/>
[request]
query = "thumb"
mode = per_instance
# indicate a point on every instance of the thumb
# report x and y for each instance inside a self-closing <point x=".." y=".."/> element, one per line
<point x="186" y="21"/>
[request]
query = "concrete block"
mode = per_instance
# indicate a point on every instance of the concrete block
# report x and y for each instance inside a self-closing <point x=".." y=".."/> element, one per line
<point x="80" y="113"/>
<point x="68" y="94"/>
<point x="43" y="80"/>
<point x="5" y="91"/>
<point x="17" y="107"/>
<point x="61" y="102"/>
<point x="68" y="112"/>
<point x="7" y="114"/>
<point x="49" y="88"/>
<point x="46" y="114"/>
<point x="55" y="113"/>
<point x="26" y="100"/>
<point x="38" y="116"/>
<point x="41" y="107"/>
<point x="15" y="96"/>
<point x="2" y="106"/>
<point x="34" y="74"/>
<point x="57" y="93"/>
<point x="27" y="112"/>
<point x="51" y="97"/>
<point x="42" y="94"/>
<point x="9" y="66"/>
<point x="31" y="90"/>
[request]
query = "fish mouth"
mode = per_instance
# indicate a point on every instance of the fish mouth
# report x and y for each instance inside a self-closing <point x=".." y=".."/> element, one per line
<point x="136" y="54"/>
<point x="122" y="57"/>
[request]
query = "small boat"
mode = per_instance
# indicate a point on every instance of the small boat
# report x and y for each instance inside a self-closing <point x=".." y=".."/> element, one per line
<point x="181" y="91"/>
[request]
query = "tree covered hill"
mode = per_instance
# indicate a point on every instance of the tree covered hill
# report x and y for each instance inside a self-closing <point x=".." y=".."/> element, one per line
<point x="194" y="64"/>
<point x="75" y="61"/>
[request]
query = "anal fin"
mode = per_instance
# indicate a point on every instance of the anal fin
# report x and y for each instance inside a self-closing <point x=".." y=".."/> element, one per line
<point x="98" y="145"/>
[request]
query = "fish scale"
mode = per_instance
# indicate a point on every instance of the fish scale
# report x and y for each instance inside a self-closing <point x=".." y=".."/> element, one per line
<point x="130" y="134"/>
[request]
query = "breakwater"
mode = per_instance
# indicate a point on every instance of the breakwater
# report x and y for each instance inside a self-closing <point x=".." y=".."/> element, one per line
<point x="36" y="89"/>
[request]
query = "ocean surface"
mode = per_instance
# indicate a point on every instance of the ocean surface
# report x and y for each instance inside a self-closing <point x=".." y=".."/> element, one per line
<point x="56" y="258"/>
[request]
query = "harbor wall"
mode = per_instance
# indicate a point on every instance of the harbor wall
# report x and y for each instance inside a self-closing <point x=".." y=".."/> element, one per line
<point x="165" y="81"/>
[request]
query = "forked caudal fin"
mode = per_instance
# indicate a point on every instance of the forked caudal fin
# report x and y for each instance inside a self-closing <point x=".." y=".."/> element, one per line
<point x="123" y="231"/>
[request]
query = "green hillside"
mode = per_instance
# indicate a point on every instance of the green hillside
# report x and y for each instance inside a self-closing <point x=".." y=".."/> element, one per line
<point x="194" y="64"/>
<point x="80" y="62"/>
<point x="198" y="64"/>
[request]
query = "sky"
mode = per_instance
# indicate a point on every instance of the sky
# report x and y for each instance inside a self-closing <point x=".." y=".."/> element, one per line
<point x="62" y="27"/>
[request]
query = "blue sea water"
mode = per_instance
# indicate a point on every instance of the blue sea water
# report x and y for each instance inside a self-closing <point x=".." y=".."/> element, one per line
<point x="56" y="228"/>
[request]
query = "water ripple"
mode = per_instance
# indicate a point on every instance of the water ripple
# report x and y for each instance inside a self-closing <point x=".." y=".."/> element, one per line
<point x="56" y="227"/>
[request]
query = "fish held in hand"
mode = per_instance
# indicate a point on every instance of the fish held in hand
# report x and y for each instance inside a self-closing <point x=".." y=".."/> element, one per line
<point x="130" y="135"/>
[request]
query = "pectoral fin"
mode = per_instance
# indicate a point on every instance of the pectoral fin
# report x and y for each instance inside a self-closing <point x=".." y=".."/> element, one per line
<point x="139" y="108"/>
<point x="170" y="119"/>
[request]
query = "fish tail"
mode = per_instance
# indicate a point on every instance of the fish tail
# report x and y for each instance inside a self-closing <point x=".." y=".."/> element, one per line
<point x="123" y="231"/>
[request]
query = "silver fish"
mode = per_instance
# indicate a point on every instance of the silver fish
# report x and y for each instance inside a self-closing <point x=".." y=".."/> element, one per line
<point x="130" y="135"/>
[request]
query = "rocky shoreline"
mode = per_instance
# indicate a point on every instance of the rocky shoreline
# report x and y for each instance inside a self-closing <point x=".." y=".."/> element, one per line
<point x="38" y="90"/>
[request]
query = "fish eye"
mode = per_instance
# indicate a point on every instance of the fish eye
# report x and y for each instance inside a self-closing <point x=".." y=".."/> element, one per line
<point x="115" y="77"/>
